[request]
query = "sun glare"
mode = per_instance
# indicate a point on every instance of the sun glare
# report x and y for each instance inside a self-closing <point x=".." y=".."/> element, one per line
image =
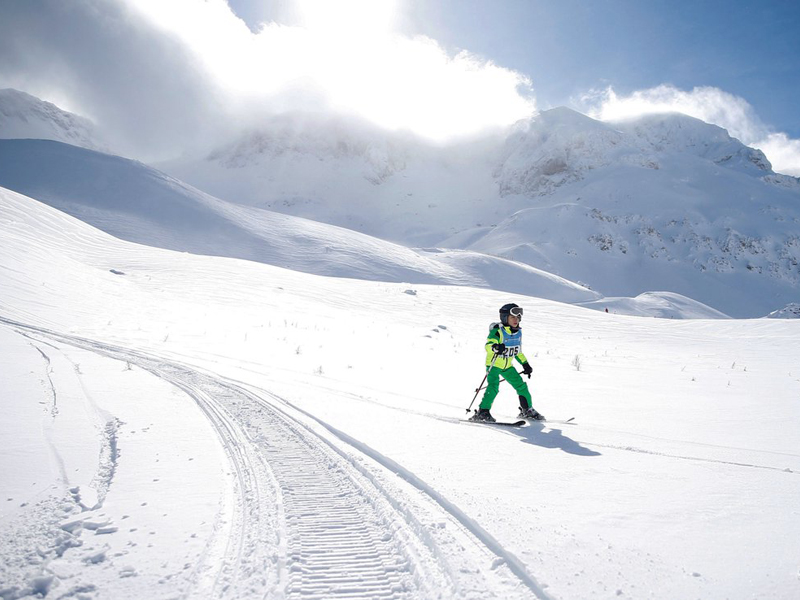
<point x="347" y="56"/>
<point x="346" y="18"/>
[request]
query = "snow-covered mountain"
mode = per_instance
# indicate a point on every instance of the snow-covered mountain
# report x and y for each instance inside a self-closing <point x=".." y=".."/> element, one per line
<point x="25" y="116"/>
<point x="348" y="173"/>
<point x="137" y="203"/>
<point x="665" y="202"/>
<point x="561" y="146"/>
<point x="790" y="311"/>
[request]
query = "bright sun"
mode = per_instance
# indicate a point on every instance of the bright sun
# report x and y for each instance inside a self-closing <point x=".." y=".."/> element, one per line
<point x="346" y="55"/>
<point x="348" y="18"/>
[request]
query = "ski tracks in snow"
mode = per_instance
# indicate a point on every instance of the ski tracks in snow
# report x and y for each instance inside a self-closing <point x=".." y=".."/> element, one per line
<point x="315" y="514"/>
<point x="341" y="532"/>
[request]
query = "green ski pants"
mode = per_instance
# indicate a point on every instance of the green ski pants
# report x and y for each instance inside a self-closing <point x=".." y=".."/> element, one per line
<point x="493" y="386"/>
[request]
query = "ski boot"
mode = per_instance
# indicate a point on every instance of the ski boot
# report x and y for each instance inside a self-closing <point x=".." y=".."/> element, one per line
<point x="530" y="413"/>
<point x="484" y="416"/>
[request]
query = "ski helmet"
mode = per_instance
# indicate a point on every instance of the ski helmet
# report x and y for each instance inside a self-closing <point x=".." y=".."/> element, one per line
<point x="510" y="309"/>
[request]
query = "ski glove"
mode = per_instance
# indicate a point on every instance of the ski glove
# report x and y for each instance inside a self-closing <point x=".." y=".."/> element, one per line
<point x="498" y="348"/>
<point x="527" y="369"/>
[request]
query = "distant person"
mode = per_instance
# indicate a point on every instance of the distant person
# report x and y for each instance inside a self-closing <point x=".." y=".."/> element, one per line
<point x="503" y="346"/>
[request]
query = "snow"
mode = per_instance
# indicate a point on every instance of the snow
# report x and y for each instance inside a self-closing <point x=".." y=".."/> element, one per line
<point x="790" y="311"/>
<point x="578" y="209"/>
<point x="137" y="203"/>
<point x="203" y="426"/>
<point x="663" y="202"/>
<point x="665" y="305"/>
<point x="85" y="464"/>
<point x="25" y="116"/>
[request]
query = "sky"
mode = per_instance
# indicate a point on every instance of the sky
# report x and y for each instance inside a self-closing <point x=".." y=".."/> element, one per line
<point x="749" y="49"/>
<point x="164" y="75"/>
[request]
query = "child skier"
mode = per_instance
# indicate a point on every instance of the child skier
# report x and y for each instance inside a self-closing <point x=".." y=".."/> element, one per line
<point x="502" y="347"/>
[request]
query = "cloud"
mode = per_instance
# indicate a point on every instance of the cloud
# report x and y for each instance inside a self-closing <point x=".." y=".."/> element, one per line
<point x="782" y="151"/>
<point x="709" y="104"/>
<point x="164" y="76"/>
<point x="345" y="56"/>
<point x="96" y="58"/>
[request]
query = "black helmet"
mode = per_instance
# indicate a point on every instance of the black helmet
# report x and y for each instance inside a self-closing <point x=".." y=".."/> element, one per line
<point x="510" y="309"/>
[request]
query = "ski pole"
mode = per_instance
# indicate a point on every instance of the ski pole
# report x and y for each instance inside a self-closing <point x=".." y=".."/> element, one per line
<point x="480" y="387"/>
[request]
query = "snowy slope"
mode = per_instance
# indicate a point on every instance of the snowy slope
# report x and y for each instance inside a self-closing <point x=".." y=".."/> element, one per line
<point x="790" y="311"/>
<point x="665" y="305"/>
<point x="137" y="203"/>
<point x="665" y="202"/>
<point x="561" y="146"/>
<point x="25" y="116"/>
<point x="187" y="426"/>
<point x="342" y="171"/>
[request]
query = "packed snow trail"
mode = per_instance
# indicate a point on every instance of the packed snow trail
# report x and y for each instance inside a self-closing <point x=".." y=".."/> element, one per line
<point x="318" y="517"/>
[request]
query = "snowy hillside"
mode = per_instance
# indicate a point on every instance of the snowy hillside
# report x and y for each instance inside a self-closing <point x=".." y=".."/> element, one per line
<point x="561" y="146"/>
<point x="186" y="426"/>
<point x="665" y="202"/>
<point x="137" y="203"/>
<point x="662" y="203"/>
<point x="345" y="172"/>
<point x="790" y="311"/>
<point x="25" y="116"/>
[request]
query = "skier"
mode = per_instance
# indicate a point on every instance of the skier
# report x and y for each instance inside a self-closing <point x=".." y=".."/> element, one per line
<point x="502" y="347"/>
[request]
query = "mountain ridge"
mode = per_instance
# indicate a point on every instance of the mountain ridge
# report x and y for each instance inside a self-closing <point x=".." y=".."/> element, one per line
<point x="609" y="205"/>
<point x="25" y="116"/>
<point x="665" y="202"/>
<point x="137" y="203"/>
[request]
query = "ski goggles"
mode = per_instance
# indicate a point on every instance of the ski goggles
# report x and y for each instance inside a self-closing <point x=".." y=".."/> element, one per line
<point x="516" y="312"/>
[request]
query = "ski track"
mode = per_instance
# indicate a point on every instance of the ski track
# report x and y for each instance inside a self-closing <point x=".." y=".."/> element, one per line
<point x="246" y="554"/>
<point x="590" y="444"/>
<point x="313" y="522"/>
<point x="52" y="387"/>
<point x="695" y="458"/>
<point x="502" y="555"/>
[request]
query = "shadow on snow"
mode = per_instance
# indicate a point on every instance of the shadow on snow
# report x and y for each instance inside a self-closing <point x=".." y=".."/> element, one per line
<point x="544" y="436"/>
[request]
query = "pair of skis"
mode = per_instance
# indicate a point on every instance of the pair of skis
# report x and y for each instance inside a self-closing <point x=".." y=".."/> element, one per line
<point x="522" y="422"/>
